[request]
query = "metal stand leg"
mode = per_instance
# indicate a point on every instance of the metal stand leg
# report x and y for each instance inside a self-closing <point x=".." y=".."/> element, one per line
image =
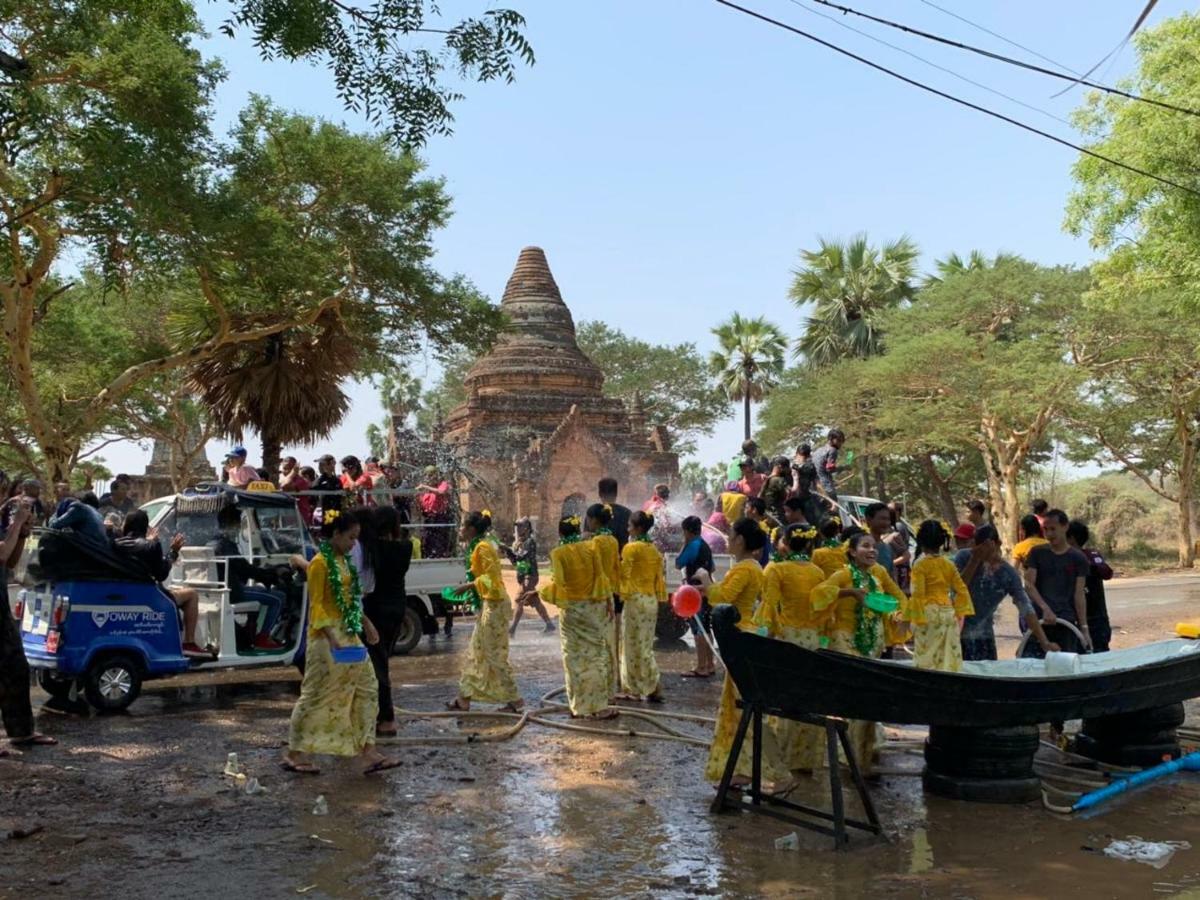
<point x="840" y="838"/>
<point x="856" y="774"/>
<point x="756" y="760"/>
<point x="735" y="750"/>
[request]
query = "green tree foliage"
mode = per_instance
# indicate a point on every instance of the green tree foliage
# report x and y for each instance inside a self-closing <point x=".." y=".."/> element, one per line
<point x="851" y="285"/>
<point x="748" y="361"/>
<point x="396" y="61"/>
<point x="1149" y="229"/>
<point x="671" y="383"/>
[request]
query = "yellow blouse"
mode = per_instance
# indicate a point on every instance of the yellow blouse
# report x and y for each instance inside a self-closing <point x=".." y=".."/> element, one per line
<point x="933" y="578"/>
<point x="825" y="595"/>
<point x="642" y="571"/>
<point x="1024" y="548"/>
<point x="830" y="559"/>
<point x="732" y="505"/>
<point x="608" y="558"/>
<point x="575" y="575"/>
<point x="322" y="609"/>
<point x="740" y="588"/>
<point x="787" y="587"/>
<point x="485" y="566"/>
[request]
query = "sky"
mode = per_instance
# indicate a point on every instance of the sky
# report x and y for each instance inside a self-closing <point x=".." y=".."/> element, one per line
<point x="673" y="157"/>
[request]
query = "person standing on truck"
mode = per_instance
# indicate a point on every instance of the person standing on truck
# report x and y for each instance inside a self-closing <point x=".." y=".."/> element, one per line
<point x="16" y="709"/>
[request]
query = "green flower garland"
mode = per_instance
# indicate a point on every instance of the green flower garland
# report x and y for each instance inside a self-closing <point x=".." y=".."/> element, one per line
<point x="832" y="543"/>
<point x="471" y="595"/>
<point x="866" y="628"/>
<point x="569" y="539"/>
<point x="776" y="556"/>
<point x="643" y="538"/>
<point x="350" y="609"/>
<point x="607" y="531"/>
<point x="524" y="567"/>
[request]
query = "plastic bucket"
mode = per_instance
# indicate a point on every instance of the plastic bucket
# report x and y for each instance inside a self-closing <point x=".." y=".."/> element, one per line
<point x="353" y="653"/>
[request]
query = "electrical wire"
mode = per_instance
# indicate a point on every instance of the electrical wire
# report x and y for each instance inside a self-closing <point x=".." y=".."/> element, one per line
<point x="999" y="57"/>
<point x="1000" y="37"/>
<point x="1115" y="50"/>
<point x="836" y="21"/>
<point x="959" y="100"/>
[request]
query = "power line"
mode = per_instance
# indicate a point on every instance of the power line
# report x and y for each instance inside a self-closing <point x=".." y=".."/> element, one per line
<point x="1008" y="59"/>
<point x="959" y="100"/>
<point x="999" y="36"/>
<point x="941" y="68"/>
<point x="1113" y="52"/>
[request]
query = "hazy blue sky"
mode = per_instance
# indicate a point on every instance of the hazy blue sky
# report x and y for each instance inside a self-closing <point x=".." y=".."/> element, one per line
<point x="673" y="156"/>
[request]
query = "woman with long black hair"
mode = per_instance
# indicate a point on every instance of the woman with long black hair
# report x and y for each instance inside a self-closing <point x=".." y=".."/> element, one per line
<point x="386" y="604"/>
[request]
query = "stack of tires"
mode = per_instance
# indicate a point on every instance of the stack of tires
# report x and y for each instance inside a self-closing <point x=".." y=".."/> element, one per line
<point x="1137" y="740"/>
<point x="989" y="765"/>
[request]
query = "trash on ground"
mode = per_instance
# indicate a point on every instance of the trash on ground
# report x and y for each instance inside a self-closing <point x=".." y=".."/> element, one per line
<point x="1152" y="853"/>
<point x="233" y="768"/>
<point x="788" y="842"/>
<point x="253" y="787"/>
<point x="17" y="833"/>
<point x="321" y="807"/>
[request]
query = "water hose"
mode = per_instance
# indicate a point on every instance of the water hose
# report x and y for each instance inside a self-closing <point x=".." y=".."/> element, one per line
<point x="1189" y="763"/>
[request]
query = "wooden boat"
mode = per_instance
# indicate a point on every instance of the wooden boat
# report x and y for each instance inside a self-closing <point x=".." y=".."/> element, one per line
<point x="783" y="678"/>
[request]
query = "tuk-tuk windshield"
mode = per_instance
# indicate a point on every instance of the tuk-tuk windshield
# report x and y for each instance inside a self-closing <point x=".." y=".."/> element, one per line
<point x="281" y="530"/>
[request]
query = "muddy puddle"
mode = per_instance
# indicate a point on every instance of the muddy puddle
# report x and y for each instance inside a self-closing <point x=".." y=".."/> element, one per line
<point x="138" y="801"/>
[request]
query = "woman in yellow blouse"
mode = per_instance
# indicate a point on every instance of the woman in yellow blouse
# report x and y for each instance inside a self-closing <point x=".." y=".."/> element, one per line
<point x="487" y="674"/>
<point x="339" y="701"/>
<point x="741" y="588"/>
<point x="855" y="627"/>
<point x="1031" y="536"/>
<point x="830" y="554"/>
<point x="786" y="614"/>
<point x="580" y="591"/>
<point x="642" y="588"/>
<point x="936" y="617"/>
<point x="608" y="558"/>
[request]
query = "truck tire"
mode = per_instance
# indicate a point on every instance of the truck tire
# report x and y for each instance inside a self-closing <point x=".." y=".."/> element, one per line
<point x="1012" y="741"/>
<point x="1142" y="722"/>
<point x="669" y="628"/>
<point x="56" y="685"/>
<point x="946" y="762"/>
<point x="113" y="682"/>
<point x="1142" y="756"/>
<point x="983" y="790"/>
<point x="409" y="634"/>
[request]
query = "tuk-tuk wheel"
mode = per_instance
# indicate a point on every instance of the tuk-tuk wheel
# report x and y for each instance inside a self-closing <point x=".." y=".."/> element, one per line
<point x="56" y="685"/>
<point x="113" y="682"/>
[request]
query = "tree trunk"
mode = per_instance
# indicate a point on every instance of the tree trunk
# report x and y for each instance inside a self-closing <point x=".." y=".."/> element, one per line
<point x="1187" y="490"/>
<point x="941" y="489"/>
<point x="272" y="449"/>
<point x="746" y="409"/>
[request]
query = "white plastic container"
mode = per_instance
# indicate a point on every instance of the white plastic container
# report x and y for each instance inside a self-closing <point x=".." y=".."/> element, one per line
<point x="1058" y="663"/>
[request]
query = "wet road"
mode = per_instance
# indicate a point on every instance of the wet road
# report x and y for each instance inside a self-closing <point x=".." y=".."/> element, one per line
<point x="139" y="800"/>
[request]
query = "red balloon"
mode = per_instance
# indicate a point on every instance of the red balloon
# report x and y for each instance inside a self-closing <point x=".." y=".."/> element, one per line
<point x="686" y="601"/>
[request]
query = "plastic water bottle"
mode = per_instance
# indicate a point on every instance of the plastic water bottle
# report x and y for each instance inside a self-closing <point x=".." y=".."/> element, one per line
<point x="253" y="787"/>
<point x="232" y="767"/>
<point x="320" y="808"/>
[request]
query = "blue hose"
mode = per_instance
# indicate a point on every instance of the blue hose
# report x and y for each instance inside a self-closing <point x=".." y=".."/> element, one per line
<point x="1189" y="763"/>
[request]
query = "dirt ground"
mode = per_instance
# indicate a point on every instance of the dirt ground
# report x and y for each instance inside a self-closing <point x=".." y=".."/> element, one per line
<point x="137" y="804"/>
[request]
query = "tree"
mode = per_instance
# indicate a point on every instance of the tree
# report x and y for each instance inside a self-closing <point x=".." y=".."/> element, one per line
<point x="167" y="412"/>
<point x="1150" y="230"/>
<point x="852" y="285"/>
<point x="670" y="383"/>
<point x="1142" y="408"/>
<point x="400" y="396"/>
<point x="389" y="60"/>
<point x="990" y="360"/>
<point x="695" y="477"/>
<point x="749" y="360"/>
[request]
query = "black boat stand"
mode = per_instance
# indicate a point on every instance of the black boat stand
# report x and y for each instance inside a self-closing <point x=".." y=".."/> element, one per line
<point x="795" y="813"/>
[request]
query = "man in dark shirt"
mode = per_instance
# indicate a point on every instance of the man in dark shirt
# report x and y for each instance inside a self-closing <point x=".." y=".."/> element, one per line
<point x="825" y="461"/>
<point x="328" y="481"/>
<point x="240" y="570"/>
<point x="1099" y="572"/>
<point x="1055" y="577"/>
<point x="607" y="489"/>
<point x="697" y="555"/>
<point x="804" y="480"/>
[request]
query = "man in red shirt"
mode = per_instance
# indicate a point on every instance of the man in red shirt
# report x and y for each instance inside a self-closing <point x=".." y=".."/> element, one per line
<point x="292" y="481"/>
<point x="752" y="481"/>
<point x="434" y="501"/>
<point x="354" y="478"/>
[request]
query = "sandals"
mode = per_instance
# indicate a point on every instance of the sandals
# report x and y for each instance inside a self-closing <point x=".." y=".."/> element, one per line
<point x="34" y="740"/>
<point x="382" y="765"/>
<point x="299" y="768"/>
<point x="455" y="706"/>
<point x="655" y="698"/>
<point x="604" y="715"/>
<point x="696" y="673"/>
<point x="513" y="707"/>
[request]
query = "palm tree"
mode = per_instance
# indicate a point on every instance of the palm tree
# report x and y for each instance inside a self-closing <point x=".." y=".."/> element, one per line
<point x="287" y="387"/>
<point x="955" y="265"/>
<point x="851" y="284"/>
<point x="750" y="360"/>
<point x="400" y="393"/>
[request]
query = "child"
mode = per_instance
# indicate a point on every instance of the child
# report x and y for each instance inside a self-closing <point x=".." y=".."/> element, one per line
<point x="487" y="674"/>
<point x="741" y="588"/>
<point x="786" y="614"/>
<point x="643" y="587"/>
<point x="582" y="595"/>
<point x="936" y="619"/>
<point x="856" y="628"/>
<point x="830" y="555"/>
<point x="338" y="701"/>
<point x="608" y="558"/>
<point x="697" y="554"/>
<point x="756" y="511"/>
<point x="523" y="555"/>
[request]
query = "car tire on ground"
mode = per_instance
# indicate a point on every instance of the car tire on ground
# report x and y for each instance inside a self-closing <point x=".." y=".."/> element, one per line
<point x="670" y="627"/>
<point x="1012" y="741"/>
<point x="1141" y="756"/>
<point x="993" y="767"/>
<point x="56" y="685"/>
<point x="1136" y="724"/>
<point x="983" y="790"/>
<point x="113" y="682"/>
<point x="410" y="633"/>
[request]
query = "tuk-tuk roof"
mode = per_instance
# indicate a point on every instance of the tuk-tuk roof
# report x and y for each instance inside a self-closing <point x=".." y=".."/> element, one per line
<point x="212" y="497"/>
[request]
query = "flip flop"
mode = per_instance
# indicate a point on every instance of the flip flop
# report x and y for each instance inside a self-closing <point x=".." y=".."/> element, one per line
<point x="34" y="740"/>
<point x="382" y="766"/>
<point x="655" y="698"/>
<point x="455" y="706"/>
<point x="697" y="674"/>
<point x="512" y="708"/>
<point x="604" y="715"/>
<point x="299" y="768"/>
